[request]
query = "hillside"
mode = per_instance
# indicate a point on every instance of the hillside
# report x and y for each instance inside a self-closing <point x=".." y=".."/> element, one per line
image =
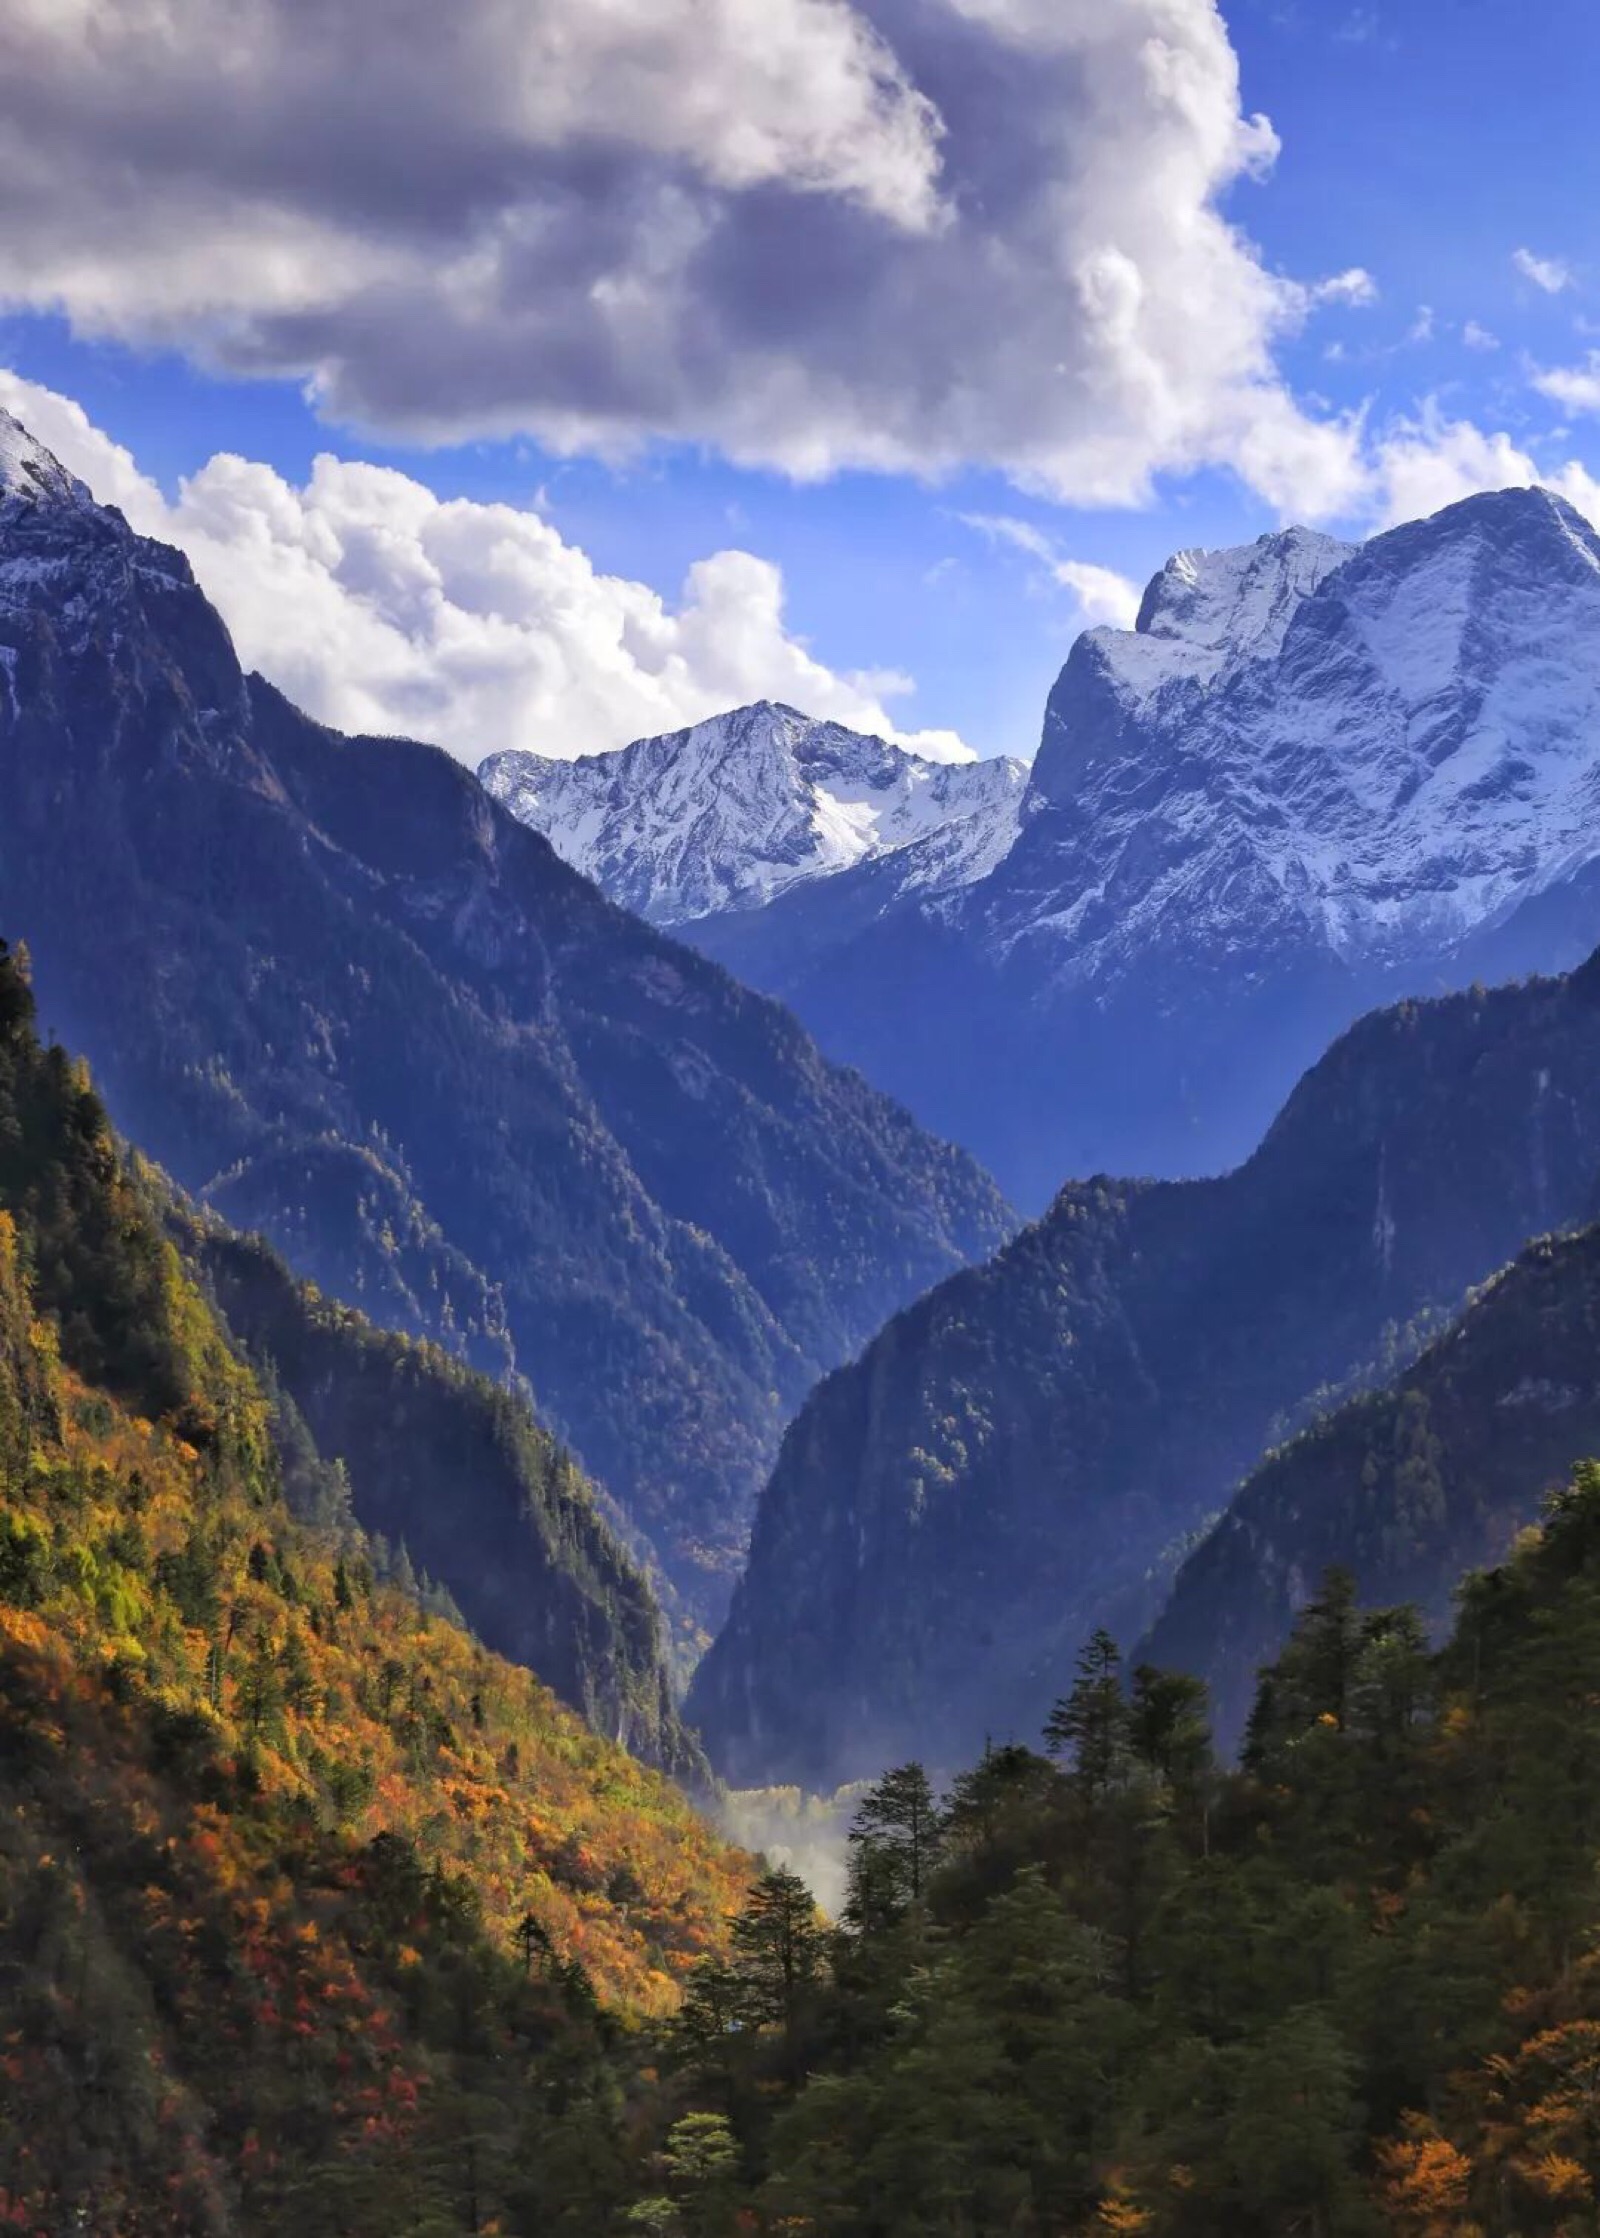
<point x="348" y="1001"/>
<point x="1406" y="1489"/>
<point x="306" y="1898"/>
<point x="454" y="1469"/>
<point x="1023" y="1453"/>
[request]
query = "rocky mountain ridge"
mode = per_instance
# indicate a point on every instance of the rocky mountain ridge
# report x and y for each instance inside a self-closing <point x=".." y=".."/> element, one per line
<point x="737" y="810"/>
<point x="1407" y="1488"/>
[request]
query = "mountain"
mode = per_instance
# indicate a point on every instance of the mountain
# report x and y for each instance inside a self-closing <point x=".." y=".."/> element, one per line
<point x="1314" y="778"/>
<point x="1311" y="779"/>
<point x="437" y="1460"/>
<point x="735" y="811"/>
<point x="1022" y="1454"/>
<point x="1408" y="1488"/>
<point x="315" y="1914"/>
<point x="347" y="1000"/>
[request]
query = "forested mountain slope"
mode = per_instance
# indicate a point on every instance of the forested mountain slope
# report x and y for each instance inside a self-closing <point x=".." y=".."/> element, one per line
<point x="1118" y="1992"/>
<point x="1021" y="1454"/>
<point x="316" y="1916"/>
<point x="1406" y="1489"/>
<point x="453" y="1471"/>
<point x="312" y="1909"/>
<point x="348" y="1000"/>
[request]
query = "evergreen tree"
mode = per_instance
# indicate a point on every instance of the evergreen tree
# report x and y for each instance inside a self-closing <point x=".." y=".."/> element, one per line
<point x="1167" y="1727"/>
<point x="1090" y="1725"/>
<point x="895" y="1838"/>
<point x="778" y="1951"/>
<point x="1310" y="1683"/>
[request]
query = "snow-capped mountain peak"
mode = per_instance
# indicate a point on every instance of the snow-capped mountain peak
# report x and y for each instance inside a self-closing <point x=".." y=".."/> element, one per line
<point x="736" y="810"/>
<point x="1210" y="607"/>
<point x="1377" y="749"/>
<point x="31" y="473"/>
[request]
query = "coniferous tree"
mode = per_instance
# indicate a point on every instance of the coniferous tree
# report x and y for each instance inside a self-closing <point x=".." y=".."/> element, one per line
<point x="895" y="1837"/>
<point x="1090" y="1726"/>
<point x="778" y="1950"/>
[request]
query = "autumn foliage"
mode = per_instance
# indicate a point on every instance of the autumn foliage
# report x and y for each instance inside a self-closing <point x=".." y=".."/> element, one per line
<point x="267" y="1826"/>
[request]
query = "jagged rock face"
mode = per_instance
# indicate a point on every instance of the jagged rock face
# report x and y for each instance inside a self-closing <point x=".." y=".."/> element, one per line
<point x="1313" y="779"/>
<point x="1377" y="753"/>
<point x="1023" y="1454"/>
<point x="346" y="998"/>
<point x="733" y="812"/>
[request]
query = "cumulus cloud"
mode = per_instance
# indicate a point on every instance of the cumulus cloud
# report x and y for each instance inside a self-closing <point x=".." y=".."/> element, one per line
<point x="1101" y="594"/>
<point x="381" y="607"/>
<point x="898" y="234"/>
<point x="1430" y="461"/>
<point x="1546" y="272"/>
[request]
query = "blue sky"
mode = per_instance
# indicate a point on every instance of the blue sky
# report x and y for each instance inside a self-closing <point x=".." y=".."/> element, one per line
<point x="1424" y="145"/>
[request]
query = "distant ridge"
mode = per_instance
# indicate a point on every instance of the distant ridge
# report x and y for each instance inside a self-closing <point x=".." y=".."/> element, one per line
<point x="735" y="811"/>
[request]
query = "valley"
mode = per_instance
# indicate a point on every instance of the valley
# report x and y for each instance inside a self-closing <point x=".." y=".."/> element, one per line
<point x="504" y="1403"/>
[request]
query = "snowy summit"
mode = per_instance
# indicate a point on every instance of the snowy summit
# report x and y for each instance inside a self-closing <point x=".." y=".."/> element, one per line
<point x="1374" y="751"/>
<point x="737" y="810"/>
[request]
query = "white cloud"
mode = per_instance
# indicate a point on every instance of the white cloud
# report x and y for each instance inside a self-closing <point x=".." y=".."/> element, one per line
<point x="379" y="606"/>
<point x="897" y="234"/>
<point x="1478" y="337"/>
<point x="1432" y="461"/>
<point x="1576" y="388"/>
<point x="1102" y="595"/>
<point x="1546" y="272"/>
<point x="1355" y="287"/>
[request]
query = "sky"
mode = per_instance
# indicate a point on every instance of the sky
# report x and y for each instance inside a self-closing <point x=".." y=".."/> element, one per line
<point x="546" y="374"/>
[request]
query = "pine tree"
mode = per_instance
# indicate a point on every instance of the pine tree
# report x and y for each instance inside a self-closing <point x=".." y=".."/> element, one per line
<point x="896" y="1837"/>
<point x="778" y="1948"/>
<point x="702" y="2159"/>
<point x="1090" y="1725"/>
<point x="532" y="1942"/>
<point x="1168" y="1730"/>
<point x="260" y="1685"/>
<point x="299" y="1679"/>
<point x="1311" y="1681"/>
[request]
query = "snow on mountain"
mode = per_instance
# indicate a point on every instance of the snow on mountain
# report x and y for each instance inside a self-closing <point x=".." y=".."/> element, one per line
<point x="1313" y="778"/>
<point x="740" y="809"/>
<point x="1375" y="752"/>
<point x="29" y="471"/>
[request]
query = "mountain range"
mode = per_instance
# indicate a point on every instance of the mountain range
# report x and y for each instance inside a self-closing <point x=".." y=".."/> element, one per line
<point x="349" y="1001"/>
<point x="531" y="1148"/>
<point x="1030" y="1451"/>
<point x="1314" y="777"/>
<point x="732" y="814"/>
